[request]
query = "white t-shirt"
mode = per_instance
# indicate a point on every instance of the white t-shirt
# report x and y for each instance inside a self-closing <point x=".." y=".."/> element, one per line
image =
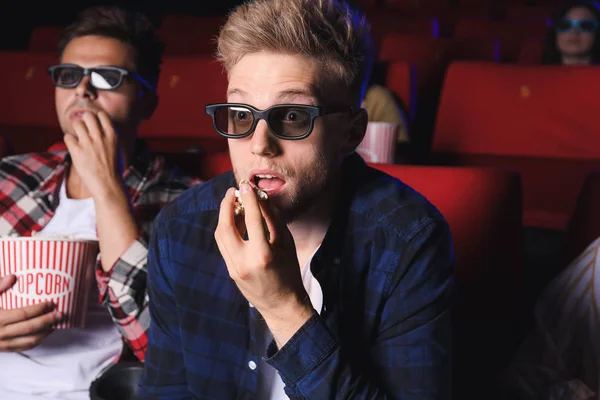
<point x="64" y="365"/>
<point x="270" y="384"/>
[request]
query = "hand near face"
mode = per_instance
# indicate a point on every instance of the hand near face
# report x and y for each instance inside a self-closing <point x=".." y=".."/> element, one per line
<point x="24" y="328"/>
<point x="95" y="153"/>
<point x="264" y="267"/>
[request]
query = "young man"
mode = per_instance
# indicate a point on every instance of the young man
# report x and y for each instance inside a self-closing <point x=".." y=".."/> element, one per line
<point x="339" y="285"/>
<point x="105" y="186"/>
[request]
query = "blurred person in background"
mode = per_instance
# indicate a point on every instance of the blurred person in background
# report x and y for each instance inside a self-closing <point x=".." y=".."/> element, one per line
<point x="560" y="359"/>
<point x="572" y="37"/>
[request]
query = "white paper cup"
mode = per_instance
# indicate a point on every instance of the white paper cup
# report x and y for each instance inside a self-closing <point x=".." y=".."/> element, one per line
<point x="49" y="269"/>
<point x="379" y="144"/>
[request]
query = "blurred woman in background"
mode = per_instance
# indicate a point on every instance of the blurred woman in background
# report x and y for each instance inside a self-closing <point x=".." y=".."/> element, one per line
<point x="572" y="39"/>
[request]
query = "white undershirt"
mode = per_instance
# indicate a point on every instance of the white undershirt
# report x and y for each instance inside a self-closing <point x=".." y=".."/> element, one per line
<point x="270" y="384"/>
<point x="64" y="365"/>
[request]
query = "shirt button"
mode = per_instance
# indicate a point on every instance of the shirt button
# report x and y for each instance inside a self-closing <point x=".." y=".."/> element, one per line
<point x="50" y="197"/>
<point x="42" y="221"/>
<point x="336" y="260"/>
<point x="252" y="365"/>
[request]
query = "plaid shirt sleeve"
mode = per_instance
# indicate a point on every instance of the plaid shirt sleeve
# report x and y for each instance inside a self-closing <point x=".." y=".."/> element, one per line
<point x="123" y="290"/>
<point x="412" y="350"/>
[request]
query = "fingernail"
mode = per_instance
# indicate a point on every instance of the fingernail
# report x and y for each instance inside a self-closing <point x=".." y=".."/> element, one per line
<point x="245" y="188"/>
<point x="59" y="316"/>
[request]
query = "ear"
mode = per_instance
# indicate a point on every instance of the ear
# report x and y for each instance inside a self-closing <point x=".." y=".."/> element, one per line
<point x="355" y="133"/>
<point x="149" y="104"/>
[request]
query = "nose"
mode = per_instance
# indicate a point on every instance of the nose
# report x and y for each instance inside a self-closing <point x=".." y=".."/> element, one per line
<point x="262" y="142"/>
<point x="85" y="89"/>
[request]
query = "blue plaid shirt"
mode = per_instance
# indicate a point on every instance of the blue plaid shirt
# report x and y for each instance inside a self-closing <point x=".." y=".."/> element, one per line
<point x="386" y="271"/>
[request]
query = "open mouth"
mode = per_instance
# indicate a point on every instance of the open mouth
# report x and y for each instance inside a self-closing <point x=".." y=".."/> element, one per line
<point x="271" y="183"/>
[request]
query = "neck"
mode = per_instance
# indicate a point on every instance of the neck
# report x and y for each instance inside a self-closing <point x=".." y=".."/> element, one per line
<point x="576" y="60"/>
<point x="310" y="228"/>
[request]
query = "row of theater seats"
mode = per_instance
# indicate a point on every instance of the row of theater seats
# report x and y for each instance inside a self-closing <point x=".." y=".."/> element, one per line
<point x="540" y="121"/>
<point x="474" y="32"/>
<point x="463" y="4"/>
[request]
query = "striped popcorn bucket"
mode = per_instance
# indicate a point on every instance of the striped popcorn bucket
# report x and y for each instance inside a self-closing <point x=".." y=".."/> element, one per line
<point x="49" y="269"/>
<point x="379" y="144"/>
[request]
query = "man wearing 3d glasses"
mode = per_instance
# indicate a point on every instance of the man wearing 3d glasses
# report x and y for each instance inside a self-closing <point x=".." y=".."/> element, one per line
<point x="304" y="273"/>
<point x="106" y="186"/>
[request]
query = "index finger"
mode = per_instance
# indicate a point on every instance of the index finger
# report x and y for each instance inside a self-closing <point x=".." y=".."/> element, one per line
<point x="107" y="125"/>
<point x="253" y="215"/>
<point x="92" y="124"/>
<point x="8" y="317"/>
<point x="7" y="282"/>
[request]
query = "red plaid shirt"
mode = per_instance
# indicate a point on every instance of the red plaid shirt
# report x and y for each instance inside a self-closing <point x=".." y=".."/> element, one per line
<point x="29" y="194"/>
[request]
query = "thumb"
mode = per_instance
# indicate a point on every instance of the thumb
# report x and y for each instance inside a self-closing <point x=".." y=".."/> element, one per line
<point x="7" y="282"/>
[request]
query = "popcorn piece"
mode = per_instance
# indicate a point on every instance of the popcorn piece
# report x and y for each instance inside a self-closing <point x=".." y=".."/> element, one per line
<point x="239" y="207"/>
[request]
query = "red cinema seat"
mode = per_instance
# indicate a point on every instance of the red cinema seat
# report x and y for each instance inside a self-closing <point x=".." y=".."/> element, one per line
<point x="389" y="21"/>
<point x="192" y="23"/>
<point x="429" y="57"/>
<point x="510" y="32"/>
<point x="415" y="4"/>
<point x="531" y="51"/>
<point x="483" y="209"/>
<point x="58" y="146"/>
<point x="186" y="85"/>
<point x="414" y="48"/>
<point x="584" y="226"/>
<point x="27" y="114"/>
<point x="400" y="80"/>
<point x="528" y="11"/>
<point x="45" y="39"/>
<point x="214" y="164"/>
<point x="184" y="43"/>
<point x="539" y="120"/>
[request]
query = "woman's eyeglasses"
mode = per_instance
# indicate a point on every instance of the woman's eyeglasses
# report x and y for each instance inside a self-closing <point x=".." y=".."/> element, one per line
<point x="582" y="25"/>
<point x="285" y="121"/>
<point x="104" y="78"/>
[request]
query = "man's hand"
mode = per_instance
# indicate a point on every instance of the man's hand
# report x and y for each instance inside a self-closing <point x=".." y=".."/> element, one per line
<point x="96" y="157"/>
<point x="24" y="328"/>
<point x="265" y="267"/>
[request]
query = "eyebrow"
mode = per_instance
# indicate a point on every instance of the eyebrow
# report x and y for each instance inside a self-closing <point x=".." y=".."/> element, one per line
<point x="299" y="92"/>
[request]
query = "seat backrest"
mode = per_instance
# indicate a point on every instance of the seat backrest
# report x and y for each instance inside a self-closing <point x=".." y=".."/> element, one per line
<point x="29" y="92"/>
<point x="413" y="48"/>
<point x="400" y="80"/>
<point x="513" y="110"/>
<point x="186" y="85"/>
<point x="45" y="38"/>
<point x="415" y="4"/>
<point x="393" y="21"/>
<point x="482" y="207"/>
<point x="528" y="11"/>
<point x="483" y="210"/>
<point x="505" y="30"/>
<point x="421" y="49"/>
<point x="183" y="43"/>
<point x="532" y="49"/>
<point x="192" y="23"/>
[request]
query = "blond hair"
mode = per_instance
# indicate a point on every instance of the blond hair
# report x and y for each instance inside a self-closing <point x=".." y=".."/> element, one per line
<point x="328" y="31"/>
